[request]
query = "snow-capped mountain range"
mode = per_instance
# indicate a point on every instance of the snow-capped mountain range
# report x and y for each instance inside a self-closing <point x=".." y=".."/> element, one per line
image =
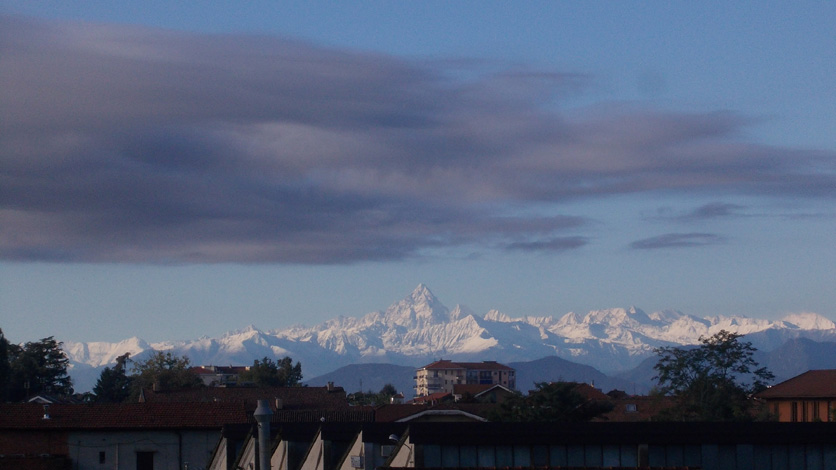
<point x="420" y="329"/>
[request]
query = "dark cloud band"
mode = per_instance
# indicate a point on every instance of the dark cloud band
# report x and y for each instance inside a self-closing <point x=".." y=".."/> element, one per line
<point x="136" y="145"/>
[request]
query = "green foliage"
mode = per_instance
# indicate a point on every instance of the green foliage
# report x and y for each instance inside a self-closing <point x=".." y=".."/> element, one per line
<point x="550" y="402"/>
<point x="389" y="390"/>
<point x="165" y="371"/>
<point x="114" y="385"/>
<point x="39" y="367"/>
<point x="712" y="382"/>
<point x="369" y="398"/>
<point x="268" y="373"/>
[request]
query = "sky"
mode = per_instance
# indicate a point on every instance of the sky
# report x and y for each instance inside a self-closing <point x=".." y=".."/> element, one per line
<point x="170" y="170"/>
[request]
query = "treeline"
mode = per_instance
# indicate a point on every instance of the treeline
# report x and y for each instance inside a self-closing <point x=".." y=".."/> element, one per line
<point x="40" y="368"/>
<point x="37" y="367"/>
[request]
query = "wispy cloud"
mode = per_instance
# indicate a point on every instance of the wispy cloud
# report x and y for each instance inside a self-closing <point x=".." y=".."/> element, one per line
<point x="555" y="244"/>
<point x="137" y="145"/>
<point x="713" y="210"/>
<point x="677" y="240"/>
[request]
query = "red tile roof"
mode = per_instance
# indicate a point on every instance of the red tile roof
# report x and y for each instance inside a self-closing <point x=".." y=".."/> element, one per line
<point x="122" y="416"/>
<point x="473" y="389"/>
<point x="393" y="413"/>
<point x="590" y="393"/>
<point x="433" y="397"/>
<point x="811" y="384"/>
<point x="292" y="398"/>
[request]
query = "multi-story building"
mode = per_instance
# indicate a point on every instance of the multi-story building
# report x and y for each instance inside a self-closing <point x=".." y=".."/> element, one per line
<point x="442" y="375"/>
<point x="808" y="397"/>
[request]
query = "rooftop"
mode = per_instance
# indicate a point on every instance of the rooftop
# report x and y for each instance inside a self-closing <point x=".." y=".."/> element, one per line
<point x="811" y="384"/>
<point x="121" y="416"/>
<point x="292" y="398"/>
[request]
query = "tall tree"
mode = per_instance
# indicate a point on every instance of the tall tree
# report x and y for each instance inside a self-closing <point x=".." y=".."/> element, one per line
<point x="5" y="368"/>
<point x="550" y="402"/>
<point x="269" y="373"/>
<point x="712" y="382"/>
<point x="38" y="367"/>
<point x="165" y="371"/>
<point x="114" y="385"/>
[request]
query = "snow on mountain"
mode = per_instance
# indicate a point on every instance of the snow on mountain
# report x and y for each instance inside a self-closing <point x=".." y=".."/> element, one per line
<point x="100" y="354"/>
<point x="808" y="321"/>
<point x="419" y="329"/>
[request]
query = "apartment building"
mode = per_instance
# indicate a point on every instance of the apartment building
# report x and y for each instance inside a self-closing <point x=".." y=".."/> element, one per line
<point x="442" y="375"/>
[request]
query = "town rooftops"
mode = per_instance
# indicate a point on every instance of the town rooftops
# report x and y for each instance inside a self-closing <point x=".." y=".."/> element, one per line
<point x="811" y="384"/>
<point x="33" y="416"/>
<point x="287" y="398"/>
<point x="448" y="364"/>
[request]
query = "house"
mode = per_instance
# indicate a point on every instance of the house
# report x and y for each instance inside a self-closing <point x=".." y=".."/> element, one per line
<point x="442" y="412"/>
<point x="144" y="436"/>
<point x="281" y="398"/>
<point x="214" y="376"/>
<point x="635" y="408"/>
<point x="442" y="375"/>
<point x="494" y="393"/>
<point x="808" y="397"/>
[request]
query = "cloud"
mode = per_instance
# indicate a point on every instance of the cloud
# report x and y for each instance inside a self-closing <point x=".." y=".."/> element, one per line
<point x="555" y="244"/>
<point x="677" y="240"/>
<point x="713" y="210"/>
<point x="127" y="144"/>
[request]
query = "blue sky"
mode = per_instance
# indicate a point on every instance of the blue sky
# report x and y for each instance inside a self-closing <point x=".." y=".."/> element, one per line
<point x="177" y="170"/>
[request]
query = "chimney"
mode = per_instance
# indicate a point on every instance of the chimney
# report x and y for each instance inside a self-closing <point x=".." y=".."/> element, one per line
<point x="262" y="415"/>
<point x="330" y="386"/>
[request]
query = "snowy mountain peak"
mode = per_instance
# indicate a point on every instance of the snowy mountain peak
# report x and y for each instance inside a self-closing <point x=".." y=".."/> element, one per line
<point x="419" y="309"/>
<point x="419" y="328"/>
<point x="809" y="321"/>
<point x="423" y="296"/>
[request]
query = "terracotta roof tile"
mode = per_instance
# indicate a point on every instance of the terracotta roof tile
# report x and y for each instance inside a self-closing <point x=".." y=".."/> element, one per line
<point x="433" y="397"/>
<point x="811" y="384"/>
<point x="122" y="416"/>
<point x="473" y="389"/>
<point x="292" y="398"/>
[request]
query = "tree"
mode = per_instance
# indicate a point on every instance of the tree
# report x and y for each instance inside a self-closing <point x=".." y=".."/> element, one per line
<point x="164" y="371"/>
<point x="5" y="368"/>
<point x="557" y="401"/>
<point x="712" y="382"/>
<point x="389" y="390"/>
<point x="114" y="385"/>
<point x="268" y="373"/>
<point x="38" y="367"/>
<point x="369" y="398"/>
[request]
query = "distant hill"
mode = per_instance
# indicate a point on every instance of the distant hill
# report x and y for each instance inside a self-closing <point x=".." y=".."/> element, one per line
<point x="365" y="377"/>
<point x="799" y="355"/>
<point x="553" y="369"/>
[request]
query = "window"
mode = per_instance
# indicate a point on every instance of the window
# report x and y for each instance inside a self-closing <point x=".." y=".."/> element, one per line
<point x="794" y="413"/>
<point x="102" y="457"/>
<point x="630" y="407"/>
